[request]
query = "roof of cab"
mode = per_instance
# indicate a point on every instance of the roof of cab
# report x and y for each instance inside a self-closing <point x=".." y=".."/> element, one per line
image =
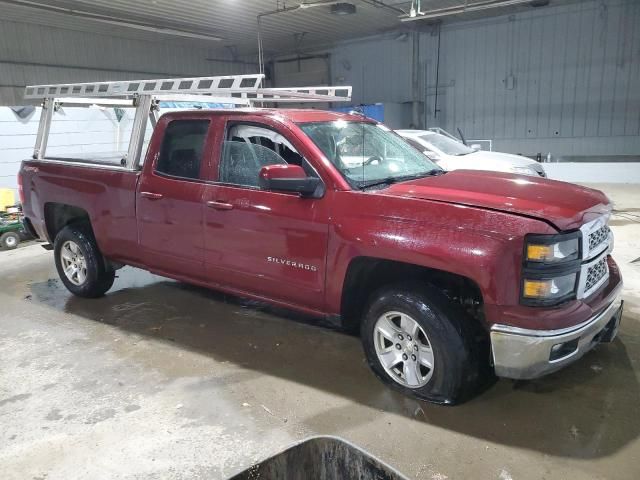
<point x="294" y="115"/>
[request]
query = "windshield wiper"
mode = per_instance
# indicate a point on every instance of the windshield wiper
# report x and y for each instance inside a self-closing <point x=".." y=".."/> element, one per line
<point x="392" y="180"/>
<point x="384" y="181"/>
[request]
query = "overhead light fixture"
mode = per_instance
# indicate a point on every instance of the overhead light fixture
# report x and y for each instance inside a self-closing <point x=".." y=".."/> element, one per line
<point x="460" y="9"/>
<point x="413" y="11"/>
<point x="159" y="29"/>
<point x="343" y="8"/>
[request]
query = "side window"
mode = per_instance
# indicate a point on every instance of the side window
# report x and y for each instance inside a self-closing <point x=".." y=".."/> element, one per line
<point x="241" y="162"/>
<point x="182" y="145"/>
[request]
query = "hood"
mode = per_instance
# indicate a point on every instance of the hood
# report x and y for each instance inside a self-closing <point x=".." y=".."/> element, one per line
<point x="507" y="159"/>
<point x="565" y="205"/>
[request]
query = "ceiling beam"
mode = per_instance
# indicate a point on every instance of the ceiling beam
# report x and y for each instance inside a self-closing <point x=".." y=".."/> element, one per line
<point x="176" y="31"/>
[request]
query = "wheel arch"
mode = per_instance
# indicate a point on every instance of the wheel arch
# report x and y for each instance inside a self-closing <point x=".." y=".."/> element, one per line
<point x="59" y="215"/>
<point x="366" y="275"/>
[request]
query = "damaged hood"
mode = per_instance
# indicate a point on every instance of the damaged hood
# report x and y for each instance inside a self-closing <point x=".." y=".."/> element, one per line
<point x="565" y="205"/>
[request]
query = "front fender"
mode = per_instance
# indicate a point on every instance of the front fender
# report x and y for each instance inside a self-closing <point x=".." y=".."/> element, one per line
<point x="482" y="245"/>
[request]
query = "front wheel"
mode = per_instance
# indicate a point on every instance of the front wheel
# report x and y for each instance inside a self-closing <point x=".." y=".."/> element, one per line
<point x="418" y="342"/>
<point x="80" y="264"/>
<point x="9" y="240"/>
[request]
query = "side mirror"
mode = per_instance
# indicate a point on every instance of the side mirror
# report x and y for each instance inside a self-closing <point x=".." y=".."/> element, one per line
<point x="289" y="178"/>
<point x="475" y="147"/>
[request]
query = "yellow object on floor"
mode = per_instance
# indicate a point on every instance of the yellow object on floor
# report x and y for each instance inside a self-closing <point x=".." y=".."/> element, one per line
<point x="7" y="198"/>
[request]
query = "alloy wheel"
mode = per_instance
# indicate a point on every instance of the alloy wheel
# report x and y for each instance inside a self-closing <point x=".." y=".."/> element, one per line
<point x="403" y="349"/>
<point x="74" y="264"/>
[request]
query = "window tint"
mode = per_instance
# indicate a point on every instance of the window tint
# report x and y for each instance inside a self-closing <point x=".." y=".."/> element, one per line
<point x="182" y="147"/>
<point x="241" y="162"/>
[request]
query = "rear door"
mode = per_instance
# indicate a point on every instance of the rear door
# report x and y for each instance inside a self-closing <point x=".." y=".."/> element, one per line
<point x="261" y="242"/>
<point x="170" y="195"/>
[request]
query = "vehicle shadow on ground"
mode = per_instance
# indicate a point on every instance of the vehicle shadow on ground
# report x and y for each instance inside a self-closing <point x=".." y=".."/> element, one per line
<point x="584" y="411"/>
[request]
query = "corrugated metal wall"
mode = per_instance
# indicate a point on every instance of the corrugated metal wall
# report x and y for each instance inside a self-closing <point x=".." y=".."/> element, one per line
<point x="32" y="54"/>
<point x="558" y="79"/>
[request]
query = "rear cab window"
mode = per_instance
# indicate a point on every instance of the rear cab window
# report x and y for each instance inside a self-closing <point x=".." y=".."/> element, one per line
<point x="182" y="149"/>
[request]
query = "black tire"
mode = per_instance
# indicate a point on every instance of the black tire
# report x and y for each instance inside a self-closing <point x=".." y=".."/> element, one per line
<point x="98" y="279"/>
<point x="460" y="359"/>
<point x="9" y="240"/>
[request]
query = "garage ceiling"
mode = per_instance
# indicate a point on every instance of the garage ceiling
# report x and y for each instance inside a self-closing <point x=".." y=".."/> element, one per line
<point x="232" y="23"/>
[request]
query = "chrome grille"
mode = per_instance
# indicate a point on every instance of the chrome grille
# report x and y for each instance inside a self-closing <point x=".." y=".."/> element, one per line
<point x="597" y="237"/>
<point x="595" y="273"/>
<point x="597" y="242"/>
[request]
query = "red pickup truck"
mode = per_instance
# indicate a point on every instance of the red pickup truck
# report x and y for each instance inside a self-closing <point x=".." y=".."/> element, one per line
<point x="447" y="276"/>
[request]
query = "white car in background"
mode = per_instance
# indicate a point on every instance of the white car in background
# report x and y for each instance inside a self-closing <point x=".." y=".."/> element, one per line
<point x="451" y="154"/>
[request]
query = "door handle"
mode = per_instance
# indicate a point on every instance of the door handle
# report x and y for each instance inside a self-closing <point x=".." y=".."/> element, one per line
<point x="151" y="195"/>
<point x="219" y="205"/>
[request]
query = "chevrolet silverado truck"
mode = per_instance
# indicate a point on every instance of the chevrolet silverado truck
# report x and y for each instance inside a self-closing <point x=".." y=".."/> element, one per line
<point x="446" y="275"/>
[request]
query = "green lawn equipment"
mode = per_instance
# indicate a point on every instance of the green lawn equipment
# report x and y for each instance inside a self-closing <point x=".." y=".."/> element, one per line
<point x="11" y="229"/>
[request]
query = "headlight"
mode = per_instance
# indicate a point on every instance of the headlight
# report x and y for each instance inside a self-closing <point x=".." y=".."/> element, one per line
<point x="524" y="171"/>
<point x="549" y="290"/>
<point x="550" y="268"/>
<point x="552" y="249"/>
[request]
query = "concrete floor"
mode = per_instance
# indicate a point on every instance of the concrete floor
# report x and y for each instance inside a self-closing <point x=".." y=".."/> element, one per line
<point x="163" y="380"/>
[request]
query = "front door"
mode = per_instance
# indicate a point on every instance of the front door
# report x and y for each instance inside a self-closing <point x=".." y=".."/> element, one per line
<point x="169" y="199"/>
<point x="260" y="242"/>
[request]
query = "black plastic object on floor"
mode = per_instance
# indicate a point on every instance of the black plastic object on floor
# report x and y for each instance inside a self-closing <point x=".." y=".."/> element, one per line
<point x="321" y="458"/>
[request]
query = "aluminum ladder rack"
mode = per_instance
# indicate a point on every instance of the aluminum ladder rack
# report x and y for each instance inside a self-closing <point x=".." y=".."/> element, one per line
<point x="232" y="86"/>
<point x="145" y="96"/>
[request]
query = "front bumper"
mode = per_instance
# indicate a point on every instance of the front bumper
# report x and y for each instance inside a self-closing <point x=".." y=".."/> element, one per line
<point x="524" y="354"/>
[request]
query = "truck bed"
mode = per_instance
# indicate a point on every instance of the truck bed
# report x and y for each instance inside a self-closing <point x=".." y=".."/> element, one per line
<point x="105" y="192"/>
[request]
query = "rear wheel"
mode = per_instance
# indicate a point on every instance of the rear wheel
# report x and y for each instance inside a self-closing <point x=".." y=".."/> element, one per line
<point x="9" y="240"/>
<point x="80" y="264"/>
<point x="420" y="343"/>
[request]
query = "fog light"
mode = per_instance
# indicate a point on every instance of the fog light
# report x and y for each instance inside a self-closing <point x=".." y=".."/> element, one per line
<point x="561" y="350"/>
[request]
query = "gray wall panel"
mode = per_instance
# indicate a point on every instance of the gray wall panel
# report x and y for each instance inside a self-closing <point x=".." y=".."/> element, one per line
<point x="576" y="69"/>
<point x="35" y="54"/>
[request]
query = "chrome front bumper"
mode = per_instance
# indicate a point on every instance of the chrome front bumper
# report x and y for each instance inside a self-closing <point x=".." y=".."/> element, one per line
<point x="524" y="354"/>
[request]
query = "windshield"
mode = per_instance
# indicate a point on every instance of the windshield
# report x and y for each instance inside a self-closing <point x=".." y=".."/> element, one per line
<point x="446" y="145"/>
<point x="367" y="153"/>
